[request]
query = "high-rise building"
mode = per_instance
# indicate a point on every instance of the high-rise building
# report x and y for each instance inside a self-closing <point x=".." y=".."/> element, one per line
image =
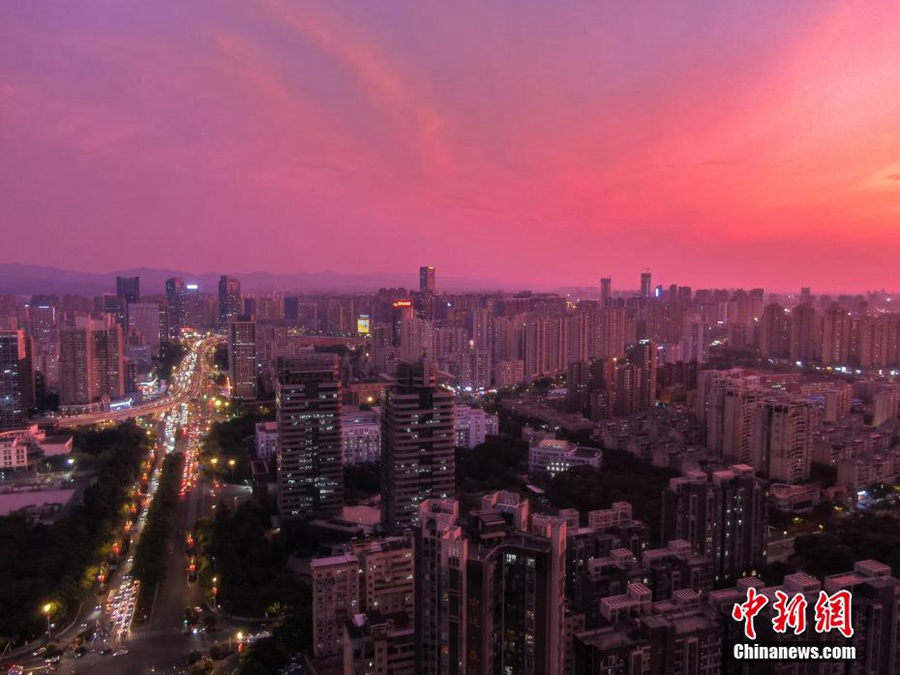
<point x="806" y="334"/>
<point x="516" y="599"/>
<point x="646" y="285"/>
<point x="775" y="332"/>
<point x="723" y="515"/>
<point x="441" y="555"/>
<point x="426" y="280"/>
<point x="242" y="359"/>
<point x="91" y="361"/>
<point x="229" y="299"/>
<point x="15" y="372"/>
<point x="418" y="443"/>
<point x="335" y="590"/>
<point x="605" y="291"/>
<point x="646" y="356"/>
<point x="175" y="306"/>
<point x="143" y="318"/>
<point x="308" y="412"/>
<point x="782" y="439"/>
<point x="836" y="327"/>
<point x="426" y="293"/>
<point x="129" y="288"/>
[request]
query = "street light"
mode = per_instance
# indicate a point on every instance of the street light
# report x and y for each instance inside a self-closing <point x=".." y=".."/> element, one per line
<point x="231" y="464"/>
<point x="47" y="609"/>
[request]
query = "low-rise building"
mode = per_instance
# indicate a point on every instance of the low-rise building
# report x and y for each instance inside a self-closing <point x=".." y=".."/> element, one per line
<point x="266" y="439"/>
<point x="555" y="456"/>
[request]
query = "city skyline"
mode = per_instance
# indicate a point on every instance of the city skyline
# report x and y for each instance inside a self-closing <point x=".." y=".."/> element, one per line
<point x="556" y="146"/>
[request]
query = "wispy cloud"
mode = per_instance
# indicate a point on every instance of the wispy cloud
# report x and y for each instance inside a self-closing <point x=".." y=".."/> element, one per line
<point x="381" y="80"/>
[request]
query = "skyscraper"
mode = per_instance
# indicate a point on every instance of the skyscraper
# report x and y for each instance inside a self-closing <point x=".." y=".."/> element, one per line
<point x="646" y="357"/>
<point x="129" y="288"/>
<point x="229" y="299"/>
<point x="91" y="361"/>
<point x="426" y="279"/>
<point x="308" y="413"/>
<point x="14" y="375"/>
<point x="426" y="293"/>
<point x="418" y="443"/>
<point x="775" y="332"/>
<point x="723" y="515"/>
<point x="143" y="318"/>
<point x="783" y="439"/>
<point x="646" y="285"/>
<point x="441" y="554"/>
<point x="605" y="291"/>
<point x="175" y="306"/>
<point x="242" y="359"/>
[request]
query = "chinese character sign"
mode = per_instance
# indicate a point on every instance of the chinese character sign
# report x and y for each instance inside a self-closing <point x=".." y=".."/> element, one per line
<point x="832" y="612"/>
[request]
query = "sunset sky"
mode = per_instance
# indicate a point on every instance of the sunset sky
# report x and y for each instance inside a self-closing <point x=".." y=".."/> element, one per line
<point x="549" y="143"/>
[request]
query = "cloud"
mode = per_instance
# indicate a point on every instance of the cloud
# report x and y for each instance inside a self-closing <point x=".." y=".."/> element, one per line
<point x="380" y="79"/>
<point x="721" y="162"/>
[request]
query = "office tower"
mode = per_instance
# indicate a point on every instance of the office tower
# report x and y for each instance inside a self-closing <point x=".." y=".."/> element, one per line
<point x="806" y="334"/>
<point x="425" y="299"/>
<point x="175" y="306"/>
<point x="401" y="312"/>
<point x="441" y="554"/>
<point x="195" y="316"/>
<point x="782" y="439"/>
<point x="143" y="319"/>
<point x="308" y="412"/>
<point x="775" y="332"/>
<point x="229" y="299"/>
<point x="646" y="286"/>
<point x="605" y="291"/>
<point x="723" y="515"/>
<point x="242" y="359"/>
<point x="129" y="288"/>
<point x="15" y="388"/>
<point x="335" y="591"/>
<point x="91" y="361"/>
<point x="426" y="279"/>
<point x="418" y="443"/>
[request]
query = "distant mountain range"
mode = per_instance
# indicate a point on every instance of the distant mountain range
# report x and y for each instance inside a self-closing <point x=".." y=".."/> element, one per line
<point x="18" y="279"/>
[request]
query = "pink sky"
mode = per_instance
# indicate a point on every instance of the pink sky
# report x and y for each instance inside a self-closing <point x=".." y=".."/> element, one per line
<point x="718" y="144"/>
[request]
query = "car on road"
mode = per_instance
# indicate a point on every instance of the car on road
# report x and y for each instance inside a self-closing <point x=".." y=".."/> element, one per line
<point x="106" y="652"/>
<point x="38" y="652"/>
<point x="120" y="652"/>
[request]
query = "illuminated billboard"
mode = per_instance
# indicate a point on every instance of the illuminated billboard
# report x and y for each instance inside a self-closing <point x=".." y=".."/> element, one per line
<point x="362" y="324"/>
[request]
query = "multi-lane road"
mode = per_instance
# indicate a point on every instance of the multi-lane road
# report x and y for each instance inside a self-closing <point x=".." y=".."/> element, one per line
<point x="157" y="643"/>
